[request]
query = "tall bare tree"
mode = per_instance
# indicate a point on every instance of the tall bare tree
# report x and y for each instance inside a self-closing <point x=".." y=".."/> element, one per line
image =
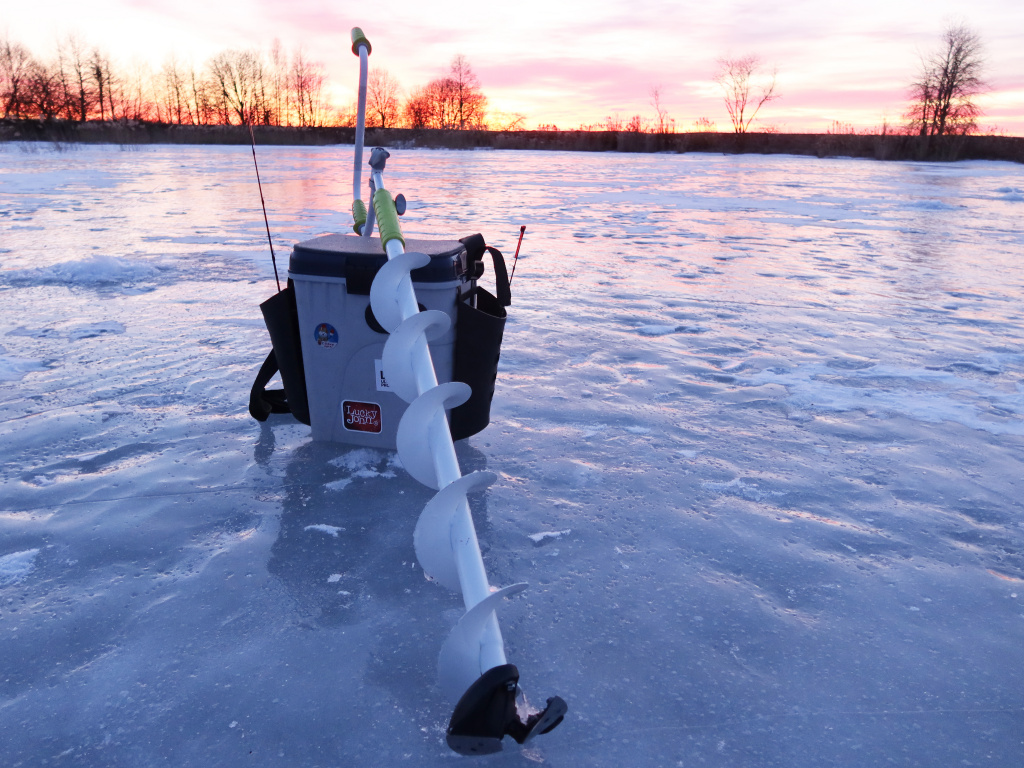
<point x="237" y="76"/>
<point x="469" y="103"/>
<point x="174" y="92"/>
<point x="15" y="70"/>
<point x="382" y="99"/>
<point x="949" y="80"/>
<point x="75" y="78"/>
<point x="307" y="83"/>
<point x="104" y="80"/>
<point x="745" y="89"/>
<point x="662" y="122"/>
<point x="280" y="102"/>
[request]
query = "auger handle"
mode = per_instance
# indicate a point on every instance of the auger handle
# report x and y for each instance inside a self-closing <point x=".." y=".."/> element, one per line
<point x="358" y="39"/>
<point x="361" y="48"/>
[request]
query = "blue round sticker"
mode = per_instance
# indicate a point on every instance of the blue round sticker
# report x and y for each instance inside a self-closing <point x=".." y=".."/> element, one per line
<point x="326" y="336"/>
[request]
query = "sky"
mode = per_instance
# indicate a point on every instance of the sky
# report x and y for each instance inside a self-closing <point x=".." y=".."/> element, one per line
<point x="572" y="64"/>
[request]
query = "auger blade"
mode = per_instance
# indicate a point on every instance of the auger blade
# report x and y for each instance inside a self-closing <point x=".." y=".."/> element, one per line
<point x="433" y="535"/>
<point x="398" y="359"/>
<point x="459" y="665"/>
<point x="415" y="439"/>
<point x="387" y="288"/>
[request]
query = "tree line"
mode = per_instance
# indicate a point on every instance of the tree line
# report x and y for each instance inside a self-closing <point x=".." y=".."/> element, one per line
<point x="80" y="83"/>
<point x="236" y="87"/>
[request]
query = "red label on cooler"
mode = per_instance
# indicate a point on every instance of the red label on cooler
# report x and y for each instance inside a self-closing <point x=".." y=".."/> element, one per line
<point x="361" y="417"/>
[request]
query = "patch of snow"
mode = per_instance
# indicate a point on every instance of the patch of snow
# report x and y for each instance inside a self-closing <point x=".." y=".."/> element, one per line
<point x="537" y="538"/>
<point x="93" y="271"/>
<point x="15" y="368"/>
<point x="655" y="330"/>
<point x="15" y="567"/>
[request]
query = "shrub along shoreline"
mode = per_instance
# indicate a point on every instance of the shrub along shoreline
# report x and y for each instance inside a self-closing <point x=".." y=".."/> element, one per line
<point x="878" y="147"/>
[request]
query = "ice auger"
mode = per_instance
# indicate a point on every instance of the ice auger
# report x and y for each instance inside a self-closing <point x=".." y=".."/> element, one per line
<point x="472" y="667"/>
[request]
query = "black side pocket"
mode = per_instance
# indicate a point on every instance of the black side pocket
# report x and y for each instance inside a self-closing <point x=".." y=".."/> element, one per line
<point x="478" y="336"/>
<point x="282" y="319"/>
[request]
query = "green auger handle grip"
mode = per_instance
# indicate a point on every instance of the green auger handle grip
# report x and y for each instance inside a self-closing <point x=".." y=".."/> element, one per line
<point x="358" y="38"/>
<point x="358" y="216"/>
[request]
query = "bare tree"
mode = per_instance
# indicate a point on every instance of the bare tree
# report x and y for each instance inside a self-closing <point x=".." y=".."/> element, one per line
<point x="15" y="70"/>
<point x="103" y="78"/>
<point x="174" y="92"/>
<point x="307" y="82"/>
<point x="280" y="94"/>
<point x="443" y="97"/>
<point x="469" y="102"/>
<point x="382" y="103"/>
<point x="417" y="112"/>
<point x="203" y="98"/>
<point x="45" y="97"/>
<point x="745" y="89"/>
<point x="950" y="78"/>
<point x="75" y="78"/>
<point x="662" y="122"/>
<point x="237" y="76"/>
<point x="139" y="93"/>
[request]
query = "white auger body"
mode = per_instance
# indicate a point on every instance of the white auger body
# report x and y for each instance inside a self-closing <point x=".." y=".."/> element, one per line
<point x="472" y="667"/>
<point x="445" y="537"/>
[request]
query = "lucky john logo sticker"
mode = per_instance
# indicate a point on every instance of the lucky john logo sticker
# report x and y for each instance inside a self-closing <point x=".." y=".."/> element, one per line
<point x="361" y="417"/>
<point x="326" y="336"/>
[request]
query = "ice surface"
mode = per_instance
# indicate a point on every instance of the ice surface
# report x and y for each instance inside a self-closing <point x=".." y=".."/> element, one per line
<point x="16" y="566"/>
<point x="777" y="401"/>
<point x="14" y="368"/>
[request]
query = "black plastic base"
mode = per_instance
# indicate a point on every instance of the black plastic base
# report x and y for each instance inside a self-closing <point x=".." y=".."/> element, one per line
<point x="486" y="713"/>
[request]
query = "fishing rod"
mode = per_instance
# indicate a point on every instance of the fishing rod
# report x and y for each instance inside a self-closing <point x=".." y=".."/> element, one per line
<point x="515" y="259"/>
<point x="273" y="258"/>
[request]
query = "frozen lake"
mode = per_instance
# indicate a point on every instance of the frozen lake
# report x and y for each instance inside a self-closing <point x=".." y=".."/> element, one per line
<point x="771" y="410"/>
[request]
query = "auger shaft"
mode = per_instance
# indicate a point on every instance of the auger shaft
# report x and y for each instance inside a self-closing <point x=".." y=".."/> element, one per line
<point x="465" y="546"/>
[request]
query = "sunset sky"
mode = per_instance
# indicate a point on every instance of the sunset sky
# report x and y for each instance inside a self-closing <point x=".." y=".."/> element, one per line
<point x="577" y="63"/>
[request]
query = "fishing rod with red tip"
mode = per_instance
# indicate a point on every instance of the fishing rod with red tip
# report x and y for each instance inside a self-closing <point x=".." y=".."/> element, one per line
<point x="522" y="231"/>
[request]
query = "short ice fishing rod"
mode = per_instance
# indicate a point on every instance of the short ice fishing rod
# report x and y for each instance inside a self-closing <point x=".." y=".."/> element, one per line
<point x="515" y="259"/>
<point x="472" y="667"/>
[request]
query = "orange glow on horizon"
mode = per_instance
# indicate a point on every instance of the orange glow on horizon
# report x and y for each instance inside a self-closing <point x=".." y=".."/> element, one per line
<point x="843" y="66"/>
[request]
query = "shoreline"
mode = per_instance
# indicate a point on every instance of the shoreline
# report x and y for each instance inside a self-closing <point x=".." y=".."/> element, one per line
<point x="877" y="147"/>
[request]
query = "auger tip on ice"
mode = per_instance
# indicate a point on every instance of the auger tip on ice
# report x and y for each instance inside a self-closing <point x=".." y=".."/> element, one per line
<point x="487" y="713"/>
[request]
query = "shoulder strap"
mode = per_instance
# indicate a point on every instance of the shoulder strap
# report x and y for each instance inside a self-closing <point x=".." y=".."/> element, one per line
<point x="475" y="249"/>
<point x="263" y="402"/>
<point x="500" y="277"/>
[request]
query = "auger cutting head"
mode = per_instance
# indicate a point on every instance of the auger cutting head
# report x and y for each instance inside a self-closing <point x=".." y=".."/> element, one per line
<point x="487" y="713"/>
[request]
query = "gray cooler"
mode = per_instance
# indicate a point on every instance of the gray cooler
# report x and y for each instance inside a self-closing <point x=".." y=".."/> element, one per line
<point x="342" y="343"/>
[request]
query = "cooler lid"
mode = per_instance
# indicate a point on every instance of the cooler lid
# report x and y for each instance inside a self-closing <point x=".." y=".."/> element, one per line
<point x="358" y="258"/>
